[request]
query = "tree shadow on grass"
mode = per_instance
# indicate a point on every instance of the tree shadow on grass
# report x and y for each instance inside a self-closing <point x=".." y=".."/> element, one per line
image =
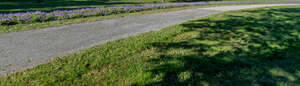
<point x="261" y="50"/>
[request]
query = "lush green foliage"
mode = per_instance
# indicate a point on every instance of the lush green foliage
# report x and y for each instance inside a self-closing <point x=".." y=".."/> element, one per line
<point x="243" y="48"/>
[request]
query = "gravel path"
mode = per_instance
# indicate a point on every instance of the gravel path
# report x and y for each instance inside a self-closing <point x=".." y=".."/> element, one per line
<point x="21" y="50"/>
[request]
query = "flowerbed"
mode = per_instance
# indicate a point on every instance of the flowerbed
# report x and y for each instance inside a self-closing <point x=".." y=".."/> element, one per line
<point x="39" y="16"/>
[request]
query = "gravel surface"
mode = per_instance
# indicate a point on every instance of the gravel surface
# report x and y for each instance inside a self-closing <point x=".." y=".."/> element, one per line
<point x="22" y="50"/>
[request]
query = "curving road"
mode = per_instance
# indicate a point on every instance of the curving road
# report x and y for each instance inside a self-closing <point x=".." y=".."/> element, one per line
<point x="21" y="50"/>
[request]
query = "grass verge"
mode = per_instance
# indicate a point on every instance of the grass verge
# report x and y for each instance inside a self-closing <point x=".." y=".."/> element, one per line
<point x="248" y="47"/>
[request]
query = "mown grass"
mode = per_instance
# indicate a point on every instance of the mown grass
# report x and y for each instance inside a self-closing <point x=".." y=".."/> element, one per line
<point x="257" y="47"/>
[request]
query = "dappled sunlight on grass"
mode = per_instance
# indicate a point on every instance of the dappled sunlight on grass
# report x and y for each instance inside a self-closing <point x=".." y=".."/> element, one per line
<point x="277" y="72"/>
<point x="253" y="47"/>
<point x="258" y="47"/>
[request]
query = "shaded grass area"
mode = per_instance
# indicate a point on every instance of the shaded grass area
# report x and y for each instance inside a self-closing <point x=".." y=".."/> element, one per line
<point x="240" y="48"/>
<point x="254" y="47"/>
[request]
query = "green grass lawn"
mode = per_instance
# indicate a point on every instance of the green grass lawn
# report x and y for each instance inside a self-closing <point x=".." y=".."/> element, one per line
<point x="256" y="47"/>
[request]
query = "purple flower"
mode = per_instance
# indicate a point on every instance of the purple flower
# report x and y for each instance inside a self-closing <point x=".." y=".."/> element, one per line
<point x="3" y="19"/>
<point x="39" y="16"/>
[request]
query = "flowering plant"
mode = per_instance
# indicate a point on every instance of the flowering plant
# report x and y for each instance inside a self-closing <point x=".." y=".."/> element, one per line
<point x="39" y="16"/>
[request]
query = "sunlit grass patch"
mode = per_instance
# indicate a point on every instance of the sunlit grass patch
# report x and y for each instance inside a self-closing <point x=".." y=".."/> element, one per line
<point x="257" y="47"/>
